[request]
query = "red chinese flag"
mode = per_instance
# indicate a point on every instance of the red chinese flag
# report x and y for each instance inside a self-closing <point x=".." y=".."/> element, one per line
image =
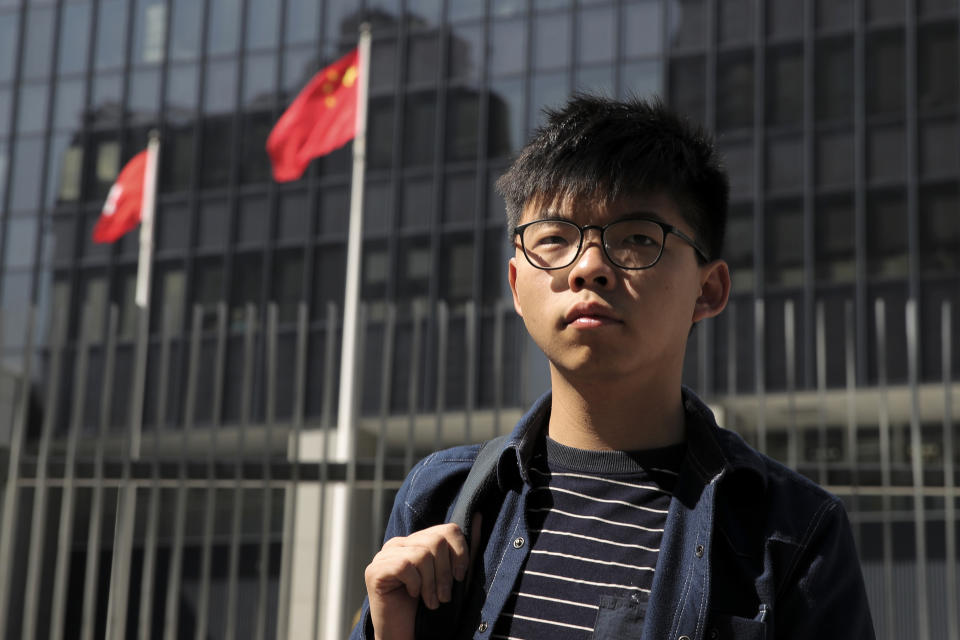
<point x="121" y="211"/>
<point x="322" y="118"/>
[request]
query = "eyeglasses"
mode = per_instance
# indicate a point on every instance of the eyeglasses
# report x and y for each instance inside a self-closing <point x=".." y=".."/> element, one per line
<point x="633" y="243"/>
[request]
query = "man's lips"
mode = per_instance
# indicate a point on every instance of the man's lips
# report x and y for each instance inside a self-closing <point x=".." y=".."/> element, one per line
<point x="590" y="315"/>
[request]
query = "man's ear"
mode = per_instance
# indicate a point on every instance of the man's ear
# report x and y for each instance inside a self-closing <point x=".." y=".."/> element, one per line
<point x="714" y="290"/>
<point x="512" y="277"/>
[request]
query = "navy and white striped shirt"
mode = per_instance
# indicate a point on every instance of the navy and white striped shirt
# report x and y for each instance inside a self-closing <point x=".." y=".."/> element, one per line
<point x="595" y="519"/>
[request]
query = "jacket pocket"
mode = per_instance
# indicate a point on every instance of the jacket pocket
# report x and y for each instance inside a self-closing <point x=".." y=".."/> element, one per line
<point x="619" y="618"/>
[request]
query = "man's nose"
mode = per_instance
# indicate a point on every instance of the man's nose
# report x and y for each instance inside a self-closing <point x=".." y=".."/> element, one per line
<point x="591" y="268"/>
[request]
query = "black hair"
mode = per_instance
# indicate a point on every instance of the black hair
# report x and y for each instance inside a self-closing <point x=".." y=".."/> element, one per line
<point x="596" y="148"/>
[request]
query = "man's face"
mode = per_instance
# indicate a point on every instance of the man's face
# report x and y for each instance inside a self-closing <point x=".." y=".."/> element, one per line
<point x="593" y="318"/>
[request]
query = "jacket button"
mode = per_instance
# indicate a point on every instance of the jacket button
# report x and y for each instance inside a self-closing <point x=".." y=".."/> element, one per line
<point x="699" y="550"/>
<point x="714" y="634"/>
<point x="518" y="543"/>
<point x="483" y="627"/>
<point x="684" y="638"/>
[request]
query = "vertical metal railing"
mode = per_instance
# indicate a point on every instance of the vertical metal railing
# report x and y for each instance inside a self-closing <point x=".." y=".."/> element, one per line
<point x="199" y="528"/>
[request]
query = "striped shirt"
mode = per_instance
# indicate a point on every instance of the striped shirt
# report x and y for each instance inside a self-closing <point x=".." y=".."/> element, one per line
<point x="595" y="520"/>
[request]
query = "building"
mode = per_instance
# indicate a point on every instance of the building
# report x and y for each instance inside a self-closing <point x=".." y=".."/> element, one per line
<point x="150" y="470"/>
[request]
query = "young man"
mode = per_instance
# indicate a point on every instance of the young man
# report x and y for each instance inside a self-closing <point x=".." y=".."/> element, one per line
<point x="620" y="509"/>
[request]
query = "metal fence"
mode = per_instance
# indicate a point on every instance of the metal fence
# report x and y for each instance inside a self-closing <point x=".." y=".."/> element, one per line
<point x="176" y="483"/>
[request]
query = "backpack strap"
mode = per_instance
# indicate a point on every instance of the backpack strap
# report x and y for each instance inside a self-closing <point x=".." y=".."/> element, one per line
<point x="481" y="479"/>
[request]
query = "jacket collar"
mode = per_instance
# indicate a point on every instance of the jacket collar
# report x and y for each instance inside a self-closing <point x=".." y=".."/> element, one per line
<point x="708" y="454"/>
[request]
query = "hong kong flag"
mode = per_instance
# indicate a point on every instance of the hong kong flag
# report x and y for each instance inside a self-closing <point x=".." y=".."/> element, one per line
<point x="122" y="210"/>
<point x="320" y="119"/>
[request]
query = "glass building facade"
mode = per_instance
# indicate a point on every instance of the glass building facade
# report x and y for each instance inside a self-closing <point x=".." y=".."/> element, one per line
<point x="840" y="124"/>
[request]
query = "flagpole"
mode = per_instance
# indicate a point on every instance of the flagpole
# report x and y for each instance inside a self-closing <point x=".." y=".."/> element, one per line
<point x="146" y="221"/>
<point x="334" y="592"/>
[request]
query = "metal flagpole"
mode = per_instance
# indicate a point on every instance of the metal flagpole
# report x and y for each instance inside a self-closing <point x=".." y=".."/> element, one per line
<point x="335" y="569"/>
<point x="127" y="497"/>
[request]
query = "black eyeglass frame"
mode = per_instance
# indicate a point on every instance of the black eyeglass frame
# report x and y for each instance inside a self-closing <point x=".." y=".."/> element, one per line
<point x="667" y="228"/>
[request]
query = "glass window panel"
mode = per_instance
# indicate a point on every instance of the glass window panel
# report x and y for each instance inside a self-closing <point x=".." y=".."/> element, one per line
<point x="938" y="80"/>
<point x="785" y="87"/>
<point x="546" y="5"/>
<point x="4" y="163"/>
<point x="937" y="7"/>
<point x="383" y="63"/>
<point x="424" y="12"/>
<point x="254" y="162"/>
<point x="253" y="220"/>
<point x="74" y="37"/>
<point x="886" y="153"/>
<point x="144" y="98"/>
<point x="414" y="268"/>
<point x="105" y="100"/>
<point x="65" y="236"/>
<point x="738" y="158"/>
<point x="833" y="80"/>
<point x="420" y="128"/>
<point x="68" y="107"/>
<point x="287" y="284"/>
<point x="380" y="127"/>
<point x="181" y="98"/>
<point x="15" y="300"/>
<point x="785" y="164"/>
<point x="111" y="34"/>
<point x="186" y="21"/>
<point x="508" y="47"/>
<point x="70" y="175"/>
<point x="886" y="10"/>
<point x="173" y="225"/>
<point x="688" y="24"/>
<point x="32" y="108"/>
<point x="422" y="61"/>
<point x="417" y="210"/>
<point x="339" y="19"/>
<point x="102" y="166"/>
<point x="59" y="145"/>
<point x="176" y="161"/>
<point x="940" y="229"/>
<point x="738" y="249"/>
<point x="886" y="91"/>
<point x="641" y="78"/>
<point x="596" y="31"/>
<point x="220" y="86"/>
<point x="208" y="288"/>
<point x="508" y="7"/>
<point x="463" y="113"/>
<point x="27" y="172"/>
<point x="939" y="151"/>
<point x="223" y="26"/>
<point x="464" y="10"/>
<point x="643" y="29"/>
<point x="299" y="65"/>
<point x="736" y="18"/>
<point x="293" y="215"/>
<point x="784" y="244"/>
<point x="834" y="233"/>
<point x="9" y="39"/>
<point x="547" y="90"/>
<point x="37" y="53"/>
<point x="456" y="282"/>
<point x="377" y="208"/>
<point x="598" y="80"/>
<point x="552" y="39"/>
<point x="785" y="18"/>
<point x="20" y="241"/>
<point x="302" y="21"/>
<point x="466" y="52"/>
<point x="735" y="91"/>
<point x="506" y="128"/>
<point x="149" y="31"/>
<point x="259" y="79"/>
<point x="263" y="20"/>
<point x="5" y="105"/>
<point x="217" y="152"/>
<point x="334" y="210"/>
<point x="688" y="87"/>
<point x="330" y="270"/>
<point x="376" y="269"/>
<point x="887" y="234"/>
<point x="834" y="164"/>
<point x="460" y="198"/>
<point x="834" y="14"/>
<point x="213" y="224"/>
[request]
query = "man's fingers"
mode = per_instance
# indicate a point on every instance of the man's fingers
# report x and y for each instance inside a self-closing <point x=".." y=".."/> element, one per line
<point x="475" y="537"/>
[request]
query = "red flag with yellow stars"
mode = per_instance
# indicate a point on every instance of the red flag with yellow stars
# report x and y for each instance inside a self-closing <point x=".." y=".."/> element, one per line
<point x="320" y="119"/>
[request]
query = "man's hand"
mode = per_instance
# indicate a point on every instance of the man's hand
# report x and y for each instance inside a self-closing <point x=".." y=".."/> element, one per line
<point x="423" y="566"/>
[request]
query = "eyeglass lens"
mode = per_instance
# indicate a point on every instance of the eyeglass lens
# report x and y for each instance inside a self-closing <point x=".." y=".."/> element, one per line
<point x="632" y="244"/>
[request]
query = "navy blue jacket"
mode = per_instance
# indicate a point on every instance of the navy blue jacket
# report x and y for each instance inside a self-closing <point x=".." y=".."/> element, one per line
<point x="751" y="549"/>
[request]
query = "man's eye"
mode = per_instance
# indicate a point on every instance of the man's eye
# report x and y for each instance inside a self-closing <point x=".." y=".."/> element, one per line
<point x="639" y="240"/>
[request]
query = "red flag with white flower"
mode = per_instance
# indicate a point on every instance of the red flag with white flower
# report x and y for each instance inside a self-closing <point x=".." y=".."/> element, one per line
<point x="122" y="210"/>
<point x="321" y="118"/>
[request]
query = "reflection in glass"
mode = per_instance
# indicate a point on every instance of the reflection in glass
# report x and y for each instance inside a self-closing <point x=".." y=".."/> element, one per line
<point x="641" y="78"/>
<point x="739" y="250"/>
<point x="185" y="23"/>
<point x="735" y="91"/>
<point x="217" y="152"/>
<point x="181" y="97"/>
<point x="111" y="34"/>
<point x="597" y="79"/>
<point x="220" y="86"/>
<point x="420" y="128"/>
<point x="424" y="51"/>
<point x="383" y="63"/>
<point x="292" y="215"/>
<point x="213" y="223"/>
<point x="595" y="30"/>
<point x="508" y="47"/>
<point x="939" y="83"/>
<point x="32" y="108"/>
<point x="37" y="52"/>
<point x="885" y="73"/>
<point x="254" y="163"/>
<point x="105" y="101"/>
<point x="259" y="78"/>
<point x="380" y="132"/>
<point x="299" y="65"/>
<point x="940" y="229"/>
<point x="149" y="31"/>
<point x="287" y="285"/>
<point x="784" y="18"/>
<point x="302" y="21"/>
<point x="834" y="165"/>
<point x="833" y="80"/>
<point x="424" y="12"/>
<point x="144" y="99"/>
<point x="5" y="104"/>
<point x="552" y="35"/>
<point x="377" y="208"/>
<point x="173" y="225"/>
<point x="885" y="10"/>
<point x="456" y="268"/>
<point x="334" y="210"/>
<point x="466" y="52"/>
<point x="70" y="174"/>
<point x="834" y="14"/>
<point x="886" y="227"/>
<point x="460" y="198"/>
<point x="687" y="24"/>
<point x="688" y="87"/>
<point x="738" y="158"/>
<point x="9" y="40"/>
<point x="834" y="233"/>
<point x="27" y="171"/>
<point x="15" y="301"/>
<point x="20" y="240"/>
<point x="223" y="26"/>
<point x="939" y="151"/>
<point x="784" y="244"/>
<point x="785" y="163"/>
<point x="886" y="152"/>
<point x="253" y="220"/>
<point x="736" y="18"/>
<point x="784" y="87"/>
<point x="68" y="107"/>
<point x="74" y="37"/>
<point x="417" y="210"/>
<point x="547" y="90"/>
<point x="176" y="161"/>
<point x="463" y="113"/>
<point x="643" y="29"/>
<point x="263" y="19"/>
<point x="507" y="122"/>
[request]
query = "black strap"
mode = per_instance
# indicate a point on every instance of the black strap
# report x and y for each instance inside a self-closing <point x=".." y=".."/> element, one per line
<point x="482" y="477"/>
